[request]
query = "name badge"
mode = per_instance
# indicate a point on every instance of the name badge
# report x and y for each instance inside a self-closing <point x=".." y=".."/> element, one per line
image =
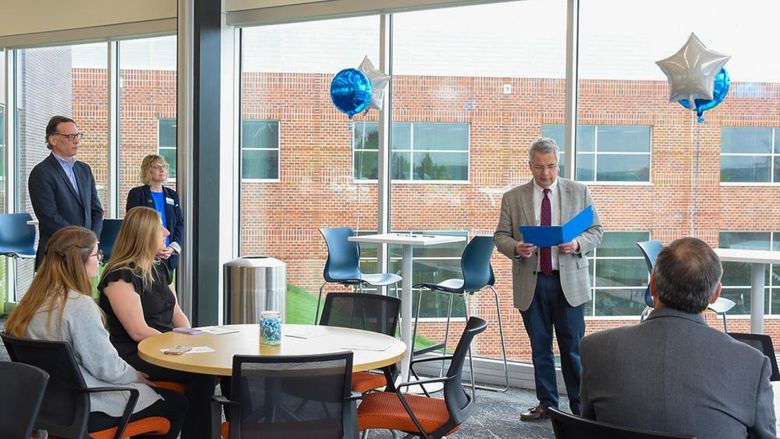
<point x="169" y="201"/>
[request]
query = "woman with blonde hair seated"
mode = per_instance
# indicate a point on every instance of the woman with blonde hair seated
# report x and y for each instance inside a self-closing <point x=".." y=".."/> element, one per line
<point x="137" y="295"/>
<point x="59" y="306"/>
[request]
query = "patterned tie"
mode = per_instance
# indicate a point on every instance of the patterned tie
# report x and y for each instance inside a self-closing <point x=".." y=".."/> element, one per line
<point x="545" y="264"/>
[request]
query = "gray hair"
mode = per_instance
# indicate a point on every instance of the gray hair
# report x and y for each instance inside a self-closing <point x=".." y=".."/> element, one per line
<point x="687" y="273"/>
<point x="544" y="145"/>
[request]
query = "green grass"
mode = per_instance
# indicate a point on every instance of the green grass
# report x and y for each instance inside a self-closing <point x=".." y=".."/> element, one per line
<point x="301" y="305"/>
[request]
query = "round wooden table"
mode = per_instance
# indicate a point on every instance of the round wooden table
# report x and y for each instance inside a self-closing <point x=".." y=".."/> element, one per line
<point x="371" y="350"/>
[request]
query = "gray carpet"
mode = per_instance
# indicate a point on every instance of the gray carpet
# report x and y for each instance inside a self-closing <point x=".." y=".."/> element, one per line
<point x="497" y="416"/>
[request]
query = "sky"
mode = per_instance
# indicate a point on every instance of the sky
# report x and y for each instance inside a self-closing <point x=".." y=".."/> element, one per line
<point x="619" y="39"/>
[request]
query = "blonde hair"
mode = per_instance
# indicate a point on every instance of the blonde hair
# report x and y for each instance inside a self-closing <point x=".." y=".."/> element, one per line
<point x="137" y="244"/>
<point x="146" y="166"/>
<point x="63" y="269"/>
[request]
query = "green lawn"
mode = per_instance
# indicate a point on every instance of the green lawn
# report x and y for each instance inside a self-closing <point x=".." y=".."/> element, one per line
<point x="301" y="306"/>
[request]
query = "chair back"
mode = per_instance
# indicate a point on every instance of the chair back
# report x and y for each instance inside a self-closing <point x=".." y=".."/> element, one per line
<point x="568" y="426"/>
<point x="343" y="263"/>
<point x="650" y="250"/>
<point x="369" y="312"/>
<point x="17" y="238"/>
<point x="763" y="343"/>
<point x="291" y="396"/>
<point x="23" y="386"/>
<point x="65" y="408"/>
<point x="475" y="264"/>
<point x="108" y="236"/>
<point x="459" y="404"/>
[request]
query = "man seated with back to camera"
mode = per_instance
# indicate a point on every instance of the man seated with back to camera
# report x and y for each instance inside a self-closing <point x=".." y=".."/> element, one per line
<point x="673" y="373"/>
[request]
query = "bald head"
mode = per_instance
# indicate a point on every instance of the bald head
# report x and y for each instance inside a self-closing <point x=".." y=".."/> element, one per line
<point x="686" y="275"/>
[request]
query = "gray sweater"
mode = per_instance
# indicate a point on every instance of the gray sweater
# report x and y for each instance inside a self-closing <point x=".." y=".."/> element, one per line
<point x="97" y="358"/>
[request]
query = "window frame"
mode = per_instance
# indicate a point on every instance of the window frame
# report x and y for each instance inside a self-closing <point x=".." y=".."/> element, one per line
<point x="278" y="149"/>
<point x="171" y="178"/>
<point x="410" y="154"/>
<point x="769" y="287"/>
<point x="774" y="154"/>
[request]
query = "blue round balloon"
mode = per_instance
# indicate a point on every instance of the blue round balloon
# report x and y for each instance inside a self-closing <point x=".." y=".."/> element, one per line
<point x="719" y="92"/>
<point x="350" y="91"/>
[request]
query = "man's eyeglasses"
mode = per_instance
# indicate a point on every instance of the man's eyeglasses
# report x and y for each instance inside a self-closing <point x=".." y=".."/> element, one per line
<point x="71" y="137"/>
<point x="99" y="255"/>
<point x="543" y="167"/>
<point x="159" y="167"/>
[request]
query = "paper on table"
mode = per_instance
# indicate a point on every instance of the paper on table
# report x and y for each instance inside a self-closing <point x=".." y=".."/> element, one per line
<point x="217" y="330"/>
<point x="361" y="344"/>
<point x="195" y="350"/>
<point x="305" y="331"/>
<point x="548" y="236"/>
<point x="189" y="331"/>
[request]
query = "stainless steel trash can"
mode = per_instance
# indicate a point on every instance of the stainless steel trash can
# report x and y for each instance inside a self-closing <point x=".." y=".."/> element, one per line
<point x="253" y="284"/>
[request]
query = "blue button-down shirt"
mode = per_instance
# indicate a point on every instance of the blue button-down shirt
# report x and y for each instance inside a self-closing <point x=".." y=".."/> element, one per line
<point x="67" y="166"/>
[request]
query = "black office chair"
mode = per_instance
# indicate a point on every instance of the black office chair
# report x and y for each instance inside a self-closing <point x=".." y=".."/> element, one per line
<point x="65" y="409"/>
<point x="369" y="312"/>
<point x="23" y="386"/>
<point x="305" y="396"/>
<point x="423" y="416"/>
<point x="568" y="426"/>
<point x="108" y="236"/>
<point x="763" y="343"/>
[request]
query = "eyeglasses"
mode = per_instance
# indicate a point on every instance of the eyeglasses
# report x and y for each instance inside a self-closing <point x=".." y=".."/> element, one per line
<point x="159" y="167"/>
<point x="543" y="167"/>
<point x="99" y="255"/>
<point x="71" y="137"/>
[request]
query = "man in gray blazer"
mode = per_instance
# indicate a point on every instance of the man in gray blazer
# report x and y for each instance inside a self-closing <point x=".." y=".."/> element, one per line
<point x="62" y="189"/>
<point x="673" y="373"/>
<point x="550" y="285"/>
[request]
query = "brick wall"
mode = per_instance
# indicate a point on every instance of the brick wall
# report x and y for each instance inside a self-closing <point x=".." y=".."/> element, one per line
<point x="315" y="187"/>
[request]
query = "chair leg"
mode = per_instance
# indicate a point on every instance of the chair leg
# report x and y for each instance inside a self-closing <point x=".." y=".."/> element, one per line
<point x="471" y="359"/>
<point x="319" y="299"/>
<point x="446" y="332"/>
<point x="503" y="344"/>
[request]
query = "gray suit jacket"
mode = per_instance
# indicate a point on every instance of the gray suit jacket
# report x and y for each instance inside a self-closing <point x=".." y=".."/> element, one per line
<point x="673" y="373"/>
<point x="517" y="208"/>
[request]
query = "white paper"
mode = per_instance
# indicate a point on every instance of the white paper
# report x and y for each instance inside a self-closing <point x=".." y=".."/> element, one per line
<point x="217" y="330"/>
<point x="305" y="332"/>
<point x="194" y="350"/>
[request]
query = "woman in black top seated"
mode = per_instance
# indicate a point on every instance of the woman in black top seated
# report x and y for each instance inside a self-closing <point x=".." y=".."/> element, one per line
<point x="137" y="296"/>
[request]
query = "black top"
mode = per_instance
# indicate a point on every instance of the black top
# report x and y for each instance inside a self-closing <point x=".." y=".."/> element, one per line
<point x="157" y="304"/>
<point x="142" y="196"/>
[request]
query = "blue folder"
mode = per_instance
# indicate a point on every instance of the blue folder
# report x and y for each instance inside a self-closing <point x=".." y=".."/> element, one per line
<point x="548" y="236"/>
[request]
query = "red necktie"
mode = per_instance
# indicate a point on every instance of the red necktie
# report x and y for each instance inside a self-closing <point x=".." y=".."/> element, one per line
<point x="545" y="264"/>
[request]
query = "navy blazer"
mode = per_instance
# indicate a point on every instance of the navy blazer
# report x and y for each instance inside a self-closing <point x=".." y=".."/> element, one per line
<point x="142" y="196"/>
<point x="56" y="204"/>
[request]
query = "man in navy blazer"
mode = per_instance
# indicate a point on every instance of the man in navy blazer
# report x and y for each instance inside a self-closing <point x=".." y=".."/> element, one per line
<point x="673" y="373"/>
<point x="62" y="189"/>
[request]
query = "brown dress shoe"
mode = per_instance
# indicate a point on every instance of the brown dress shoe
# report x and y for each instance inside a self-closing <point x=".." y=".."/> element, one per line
<point x="535" y="414"/>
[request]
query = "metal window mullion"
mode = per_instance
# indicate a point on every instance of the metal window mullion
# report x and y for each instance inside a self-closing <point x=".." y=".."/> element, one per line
<point x="384" y="140"/>
<point x="10" y="160"/>
<point x="112" y="174"/>
<point x="572" y="87"/>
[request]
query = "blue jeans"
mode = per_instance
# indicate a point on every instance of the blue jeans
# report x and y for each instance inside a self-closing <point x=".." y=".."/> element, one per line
<point x="549" y="309"/>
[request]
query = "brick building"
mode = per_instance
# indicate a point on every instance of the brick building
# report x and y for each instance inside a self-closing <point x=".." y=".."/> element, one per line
<point x="306" y="166"/>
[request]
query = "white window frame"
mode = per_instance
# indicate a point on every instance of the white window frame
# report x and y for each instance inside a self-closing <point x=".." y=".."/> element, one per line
<point x="773" y="180"/>
<point x="167" y="148"/>
<point x="278" y="155"/>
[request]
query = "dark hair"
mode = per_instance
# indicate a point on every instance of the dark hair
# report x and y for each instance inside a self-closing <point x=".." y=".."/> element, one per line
<point x="686" y="275"/>
<point x="51" y="127"/>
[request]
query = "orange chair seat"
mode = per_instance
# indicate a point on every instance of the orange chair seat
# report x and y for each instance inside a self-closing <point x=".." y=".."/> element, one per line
<point x="383" y="410"/>
<point x="153" y="425"/>
<point x="170" y="385"/>
<point x="362" y="382"/>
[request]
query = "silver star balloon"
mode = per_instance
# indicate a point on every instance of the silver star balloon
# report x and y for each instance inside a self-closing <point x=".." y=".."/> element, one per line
<point x="691" y="71"/>
<point x="378" y="83"/>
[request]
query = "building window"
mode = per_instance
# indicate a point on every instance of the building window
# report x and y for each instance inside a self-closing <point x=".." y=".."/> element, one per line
<point x="749" y="155"/>
<point x="166" y="144"/>
<point x="736" y="275"/>
<point x="618" y="275"/>
<point x="430" y="265"/>
<point x="419" y="152"/>
<point x="608" y="152"/>
<point x="260" y="149"/>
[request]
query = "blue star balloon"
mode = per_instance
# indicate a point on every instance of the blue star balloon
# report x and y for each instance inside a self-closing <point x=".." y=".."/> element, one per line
<point x="719" y="92"/>
<point x="350" y="91"/>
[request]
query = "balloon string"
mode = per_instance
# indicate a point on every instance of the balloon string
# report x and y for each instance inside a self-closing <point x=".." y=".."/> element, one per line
<point x="695" y="173"/>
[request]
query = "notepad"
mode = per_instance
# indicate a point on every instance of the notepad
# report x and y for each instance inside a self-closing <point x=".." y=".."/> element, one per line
<point x="217" y="330"/>
<point x="548" y="236"/>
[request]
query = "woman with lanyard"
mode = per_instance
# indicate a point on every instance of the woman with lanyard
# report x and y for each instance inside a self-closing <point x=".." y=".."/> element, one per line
<point x="154" y="172"/>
